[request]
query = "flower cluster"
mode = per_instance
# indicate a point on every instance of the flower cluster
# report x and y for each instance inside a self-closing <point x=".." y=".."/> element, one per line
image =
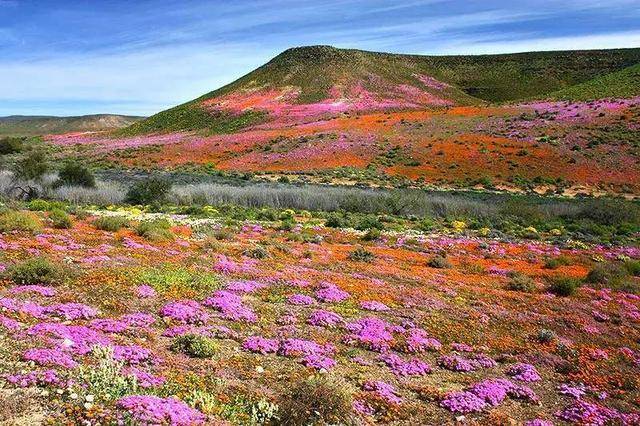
<point x="185" y="311"/>
<point x="151" y="410"/>
<point x="322" y="318"/>
<point x="371" y="333"/>
<point x="401" y="367"/>
<point x="230" y="306"/>
<point x="331" y="293"/>
<point x="524" y="372"/>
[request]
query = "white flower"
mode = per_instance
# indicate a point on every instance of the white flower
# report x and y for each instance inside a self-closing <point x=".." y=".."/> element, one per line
<point x="73" y="395"/>
<point x="89" y="398"/>
<point x="87" y="405"/>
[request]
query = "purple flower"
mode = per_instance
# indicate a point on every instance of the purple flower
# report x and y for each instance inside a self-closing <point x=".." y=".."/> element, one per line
<point x="492" y="391"/>
<point x="538" y="422"/>
<point x="33" y="378"/>
<point x="417" y="340"/>
<point x="72" y="311"/>
<point x="456" y="363"/>
<point x="10" y="324"/>
<point x="74" y="338"/>
<point x="260" y="345"/>
<point x="231" y="306"/>
<point x="463" y="402"/>
<point x="524" y="372"/>
<point x="41" y="290"/>
<point x="583" y="412"/>
<point x="245" y="286"/>
<point x="372" y="305"/>
<point x="145" y="291"/>
<point x="152" y="410"/>
<point x="322" y="318"/>
<point x="132" y="354"/>
<point x="371" y="333"/>
<point x="49" y="357"/>
<point x="301" y="299"/>
<point x="331" y="293"/>
<point x="145" y="379"/>
<point x="319" y="362"/>
<point x="384" y="390"/>
<point x="185" y="311"/>
<point x="301" y="347"/>
<point x="400" y="367"/>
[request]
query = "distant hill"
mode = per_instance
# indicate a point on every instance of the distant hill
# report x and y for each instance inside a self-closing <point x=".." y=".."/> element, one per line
<point x="619" y="84"/>
<point x="44" y="125"/>
<point x="308" y="82"/>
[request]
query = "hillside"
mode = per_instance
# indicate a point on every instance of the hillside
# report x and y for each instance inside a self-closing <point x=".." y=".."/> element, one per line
<point x="620" y="84"/>
<point x="43" y="125"/>
<point x="310" y="82"/>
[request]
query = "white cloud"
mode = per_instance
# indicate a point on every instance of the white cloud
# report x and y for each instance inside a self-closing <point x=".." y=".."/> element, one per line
<point x="156" y="78"/>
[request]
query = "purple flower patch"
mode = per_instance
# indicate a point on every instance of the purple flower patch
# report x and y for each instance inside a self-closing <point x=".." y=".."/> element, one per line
<point x="185" y="311"/>
<point x="151" y="410"/>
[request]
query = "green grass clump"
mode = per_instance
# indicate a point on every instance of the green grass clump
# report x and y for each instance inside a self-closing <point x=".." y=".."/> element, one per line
<point x="37" y="270"/>
<point x="439" y="262"/>
<point x="111" y="223"/>
<point x="521" y="282"/>
<point x="564" y="286"/>
<point x="171" y="278"/>
<point x="15" y="220"/>
<point x="361" y="254"/>
<point x="613" y="275"/>
<point x="155" y="230"/>
<point x="60" y="219"/>
<point x="195" y="346"/>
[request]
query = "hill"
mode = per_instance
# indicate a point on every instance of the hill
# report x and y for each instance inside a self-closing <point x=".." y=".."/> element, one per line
<point x="620" y="84"/>
<point x="309" y="82"/>
<point x="42" y="125"/>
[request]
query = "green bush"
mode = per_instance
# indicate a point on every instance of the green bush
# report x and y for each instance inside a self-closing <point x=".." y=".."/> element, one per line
<point x="149" y="191"/>
<point x="195" y="346"/>
<point x="612" y="275"/>
<point x="11" y="145"/>
<point x="372" y="235"/>
<point x="369" y="222"/>
<point x="75" y="174"/>
<point x="111" y="223"/>
<point x="521" y="282"/>
<point x="32" y="166"/>
<point x="38" y="205"/>
<point x="155" y="230"/>
<point x="37" y="270"/>
<point x="15" y="220"/>
<point x="361" y="254"/>
<point x="556" y="262"/>
<point x="317" y="400"/>
<point x="633" y="267"/>
<point x="335" y="221"/>
<point x="60" y="219"/>
<point x="257" y="252"/>
<point x="439" y="262"/>
<point x="563" y="286"/>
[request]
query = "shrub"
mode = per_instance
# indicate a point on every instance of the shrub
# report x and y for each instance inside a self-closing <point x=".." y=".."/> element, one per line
<point x="563" y="286"/>
<point x="11" y="145"/>
<point x="335" y="221"/>
<point x="372" y="235"/>
<point x="546" y="336"/>
<point x="32" y="166"/>
<point x="633" y="267"/>
<point x="37" y="270"/>
<point x="369" y="222"/>
<point x="60" y="219"/>
<point x="110" y="223"/>
<point x="14" y="220"/>
<point x="149" y="191"/>
<point x="155" y="230"/>
<point x="257" y="252"/>
<point x="612" y="275"/>
<point x="75" y="174"/>
<point x="38" y="205"/>
<point x="556" y="262"/>
<point x="361" y="254"/>
<point x="521" y="282"/>
<point x="439" y="262"/>
<point x="195" y="346"/>
<point x="318" y="400"/>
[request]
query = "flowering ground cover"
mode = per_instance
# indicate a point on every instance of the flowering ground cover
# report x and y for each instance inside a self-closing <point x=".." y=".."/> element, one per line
<point x="589" y="146"/>
<point x="227" y="321"/>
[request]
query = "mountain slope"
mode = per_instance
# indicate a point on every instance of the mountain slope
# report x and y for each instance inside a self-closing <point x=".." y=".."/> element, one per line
<point x="318" y="81"/>
<point x="620" y="84"/>
<point x="41" y="125"/>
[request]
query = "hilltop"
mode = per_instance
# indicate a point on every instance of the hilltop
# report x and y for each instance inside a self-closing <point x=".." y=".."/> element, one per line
<point x="307" y="82"/>
<point x="44" y="125"/>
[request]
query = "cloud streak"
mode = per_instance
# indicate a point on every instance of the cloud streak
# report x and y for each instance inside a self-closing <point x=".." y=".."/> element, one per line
<point x="141" y="57"/>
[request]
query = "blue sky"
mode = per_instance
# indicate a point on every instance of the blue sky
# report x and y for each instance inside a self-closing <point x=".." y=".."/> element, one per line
<point x="139" y="57"/>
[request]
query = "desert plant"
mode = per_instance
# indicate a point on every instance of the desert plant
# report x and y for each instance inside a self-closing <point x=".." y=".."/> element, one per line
<point x="546" y="336"/>
<point x="75" y="174"/>
<point x="155" y="230"/>
<point x="31" y="166"/>
<point x="15" y="220"/>
<point x="195" y="346"/>
<point x="256" y="252"/>
<point x="318" y="400"/>
<point x="610" y="274"/>
<point x="106" y="381"/>
<point x="149" y="191"/>
<point x="439" y="262"/>
<point x="556" y="262"/>
<point x="372" y="235"/>
<point x="361" y="254"/>
<point x="60" y="219"/>
<point x="521" y="282"/>
<point x="11" y="145"/>
<point x="111" y="223"/>
<point x="36" y="270"/>
<point x="633" y="267"/>
<point x="563" y="286"/>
